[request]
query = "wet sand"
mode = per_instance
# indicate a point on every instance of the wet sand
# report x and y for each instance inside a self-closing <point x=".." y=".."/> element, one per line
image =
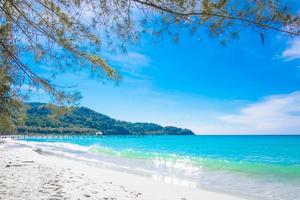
<point x="27" y="174"/>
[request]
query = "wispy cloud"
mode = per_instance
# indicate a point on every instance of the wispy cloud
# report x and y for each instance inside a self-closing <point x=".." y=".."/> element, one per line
<point x="293" y="50"/>
<point x="273" y="114"/>
<point x="25" y="88"/>
<point x="131" y="65"/>
<point x="130" y="61"/>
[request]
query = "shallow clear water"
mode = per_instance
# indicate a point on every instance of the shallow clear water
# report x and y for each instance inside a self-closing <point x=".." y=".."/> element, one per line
<point x="258" y="167"/>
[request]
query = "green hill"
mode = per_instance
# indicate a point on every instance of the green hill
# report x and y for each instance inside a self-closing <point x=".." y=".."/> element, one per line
<point x="40" y="119"/>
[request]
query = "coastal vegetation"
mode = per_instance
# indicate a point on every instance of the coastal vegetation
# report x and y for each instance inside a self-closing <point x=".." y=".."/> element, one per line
<point x="40" y="118"/>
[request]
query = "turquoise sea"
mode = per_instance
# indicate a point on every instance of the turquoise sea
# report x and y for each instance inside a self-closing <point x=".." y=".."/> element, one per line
<point x="256" y="167"/>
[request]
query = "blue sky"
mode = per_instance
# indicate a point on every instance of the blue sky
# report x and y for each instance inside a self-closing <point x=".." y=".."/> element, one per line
<point x="243" y="87"/>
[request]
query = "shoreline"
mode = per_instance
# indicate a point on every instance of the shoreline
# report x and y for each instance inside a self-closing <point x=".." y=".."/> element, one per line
<point x="27" y="174"/>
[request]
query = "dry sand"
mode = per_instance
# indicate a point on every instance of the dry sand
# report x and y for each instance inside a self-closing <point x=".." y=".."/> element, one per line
<point x="27" y="174"/>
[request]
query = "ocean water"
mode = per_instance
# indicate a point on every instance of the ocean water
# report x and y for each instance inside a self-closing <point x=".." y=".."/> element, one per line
<point x="255" y="167"/>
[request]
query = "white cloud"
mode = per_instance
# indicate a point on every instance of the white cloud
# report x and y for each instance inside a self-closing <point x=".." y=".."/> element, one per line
<point x="31" y="88"/>
<point x="293" y="50"/>
<point x="130" y="61"/>
<point x="273" y="114"/>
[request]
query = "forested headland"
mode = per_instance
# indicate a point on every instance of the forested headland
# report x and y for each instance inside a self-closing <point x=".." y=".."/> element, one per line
<point x="40" y="118"/>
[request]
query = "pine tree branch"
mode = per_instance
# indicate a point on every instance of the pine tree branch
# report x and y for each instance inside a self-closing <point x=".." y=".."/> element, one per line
<point x="190" y="14"/>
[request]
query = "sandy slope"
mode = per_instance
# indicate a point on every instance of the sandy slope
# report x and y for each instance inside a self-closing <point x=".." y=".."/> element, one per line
<point x="26" y="174"/>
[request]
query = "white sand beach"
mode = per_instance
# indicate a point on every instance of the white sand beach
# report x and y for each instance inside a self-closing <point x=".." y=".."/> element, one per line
<point x="27" y="174"/>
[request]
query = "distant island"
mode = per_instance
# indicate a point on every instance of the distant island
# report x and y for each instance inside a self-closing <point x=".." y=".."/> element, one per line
<point x="81" y="120"/>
